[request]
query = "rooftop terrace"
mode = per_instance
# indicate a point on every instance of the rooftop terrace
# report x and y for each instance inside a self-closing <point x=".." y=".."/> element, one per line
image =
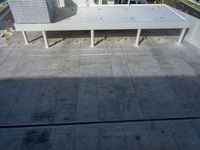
<point x="114" y="96"/>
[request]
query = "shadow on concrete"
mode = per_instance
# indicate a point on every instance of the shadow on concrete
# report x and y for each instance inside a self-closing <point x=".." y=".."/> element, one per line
<point x="6" y="19"/>
<point x="93" y="99"/>
<point x="66" y="12"/>
<point x="114" y="33"/>
<point x="117" y="33"/>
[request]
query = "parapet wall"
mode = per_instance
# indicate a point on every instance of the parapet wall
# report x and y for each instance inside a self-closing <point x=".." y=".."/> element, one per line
<point x="193" y="34"/>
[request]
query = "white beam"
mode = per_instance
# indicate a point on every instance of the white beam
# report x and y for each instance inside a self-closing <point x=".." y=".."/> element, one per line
<point x="45" y="39"/>
<point x="92" y="38"/>
<point x="25" y="37"/>
<point x="181" y="36"/>
<point x="138" y="37"/>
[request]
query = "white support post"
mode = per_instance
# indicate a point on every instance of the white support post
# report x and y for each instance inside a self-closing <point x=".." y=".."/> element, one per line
<point x="61" y="3"/>
<point x="181" y="36"/>
<point x="138" y="37"/>
<point x="45" y="39"/>
<point x="100" y="2"/>
<point x="25" y="37"/>
<point x="92" y="38"/>
<point x="91" y="3"/>
<point x="129" y="2"/>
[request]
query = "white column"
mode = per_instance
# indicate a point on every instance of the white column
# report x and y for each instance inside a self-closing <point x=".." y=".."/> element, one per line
<point x="181" y="36"/>
<point x="61" y="3"/>
<point x="25" y="37"/>
<point x="100" y="2"/>
<point x="92" y="2"/>
<point x="138" y="37"/>
<point x="92" y="38"/>
<point x="129" y="2"/>
<point x="45" y="39"/>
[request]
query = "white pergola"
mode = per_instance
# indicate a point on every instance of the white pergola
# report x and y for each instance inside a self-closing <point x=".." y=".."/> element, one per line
<point x="112" y="17"/>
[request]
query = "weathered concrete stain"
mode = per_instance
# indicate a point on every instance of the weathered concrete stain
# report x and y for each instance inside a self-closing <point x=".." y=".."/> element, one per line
<point x="36" y="137"/>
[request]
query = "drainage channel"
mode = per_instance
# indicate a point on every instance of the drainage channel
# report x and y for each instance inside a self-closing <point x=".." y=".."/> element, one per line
<point x="86" y="123"/>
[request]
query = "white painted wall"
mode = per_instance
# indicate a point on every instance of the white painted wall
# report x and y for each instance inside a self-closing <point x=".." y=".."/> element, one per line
<point x="193" y="35"/>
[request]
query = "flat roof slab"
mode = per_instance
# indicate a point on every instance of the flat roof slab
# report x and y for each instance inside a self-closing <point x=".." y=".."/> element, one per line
<point x="146" y="16"/>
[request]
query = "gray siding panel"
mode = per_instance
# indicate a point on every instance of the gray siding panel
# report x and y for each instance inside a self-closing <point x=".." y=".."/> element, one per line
<point x="33" y="11"/>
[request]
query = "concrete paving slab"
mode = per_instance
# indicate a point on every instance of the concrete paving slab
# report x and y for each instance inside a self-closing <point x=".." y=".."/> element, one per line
<point x="99" y="86"/>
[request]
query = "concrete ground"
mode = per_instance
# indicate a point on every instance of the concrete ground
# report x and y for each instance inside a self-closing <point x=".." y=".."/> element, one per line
<point x="114" y="96"/>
